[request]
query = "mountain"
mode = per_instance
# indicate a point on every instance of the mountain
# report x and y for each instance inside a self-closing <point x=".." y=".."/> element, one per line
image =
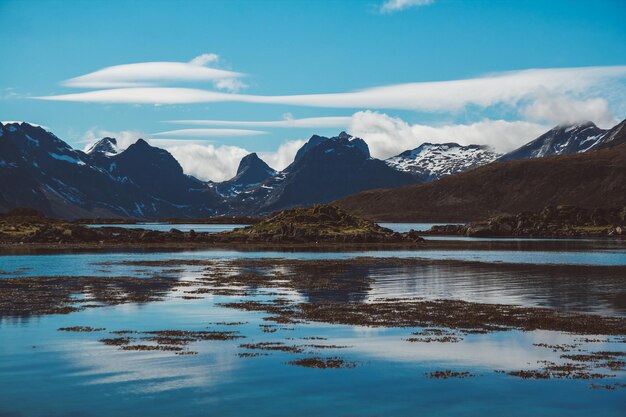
<point x="430" y="161"/>
<point x="158" y="173"/>
<point x="590" y="180"/>
<point x="252" y="171"/>
<point x="613" y="137"/>
<point x="561" y="140"/>
<point x="323" y="170"/>
<point x="40" y="171"/>
<point x="105" y="147"/>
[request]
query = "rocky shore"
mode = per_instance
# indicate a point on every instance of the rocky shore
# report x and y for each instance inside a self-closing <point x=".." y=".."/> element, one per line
<point x="320" y="223"/>
<point x="316" y="225"/>
<point x="552" y="221"/>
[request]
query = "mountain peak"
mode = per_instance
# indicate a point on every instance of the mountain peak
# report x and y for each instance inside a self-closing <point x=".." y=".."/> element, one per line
<point x="252" y="170"/>
<point x="105" y="146"/>
<point x="344" y="135"/>
<point x="142" y="143"/>
<point x="560" y="140"/>
<point x="310" y="144"/>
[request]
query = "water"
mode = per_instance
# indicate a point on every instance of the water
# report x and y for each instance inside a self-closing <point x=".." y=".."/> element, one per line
<point x="407" y="227"/>
<point x="166" y="227"/>
<point x="46" y="372"/>
<point x="214" y="228"/>
<point x="85" y="263"/>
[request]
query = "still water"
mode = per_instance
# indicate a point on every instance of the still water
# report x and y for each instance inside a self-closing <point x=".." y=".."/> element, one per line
<point x="165" y="227"/>
<point x="46" y="372"/>
<point x="215" y="228"/>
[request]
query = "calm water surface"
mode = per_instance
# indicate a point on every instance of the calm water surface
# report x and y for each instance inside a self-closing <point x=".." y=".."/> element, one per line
<point x="165" y="227"/>
<point x="45" y="372"/>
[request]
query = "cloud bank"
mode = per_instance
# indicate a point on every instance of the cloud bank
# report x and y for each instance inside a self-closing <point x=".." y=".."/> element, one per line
<point x="288" y="122"/>
<point x="210" y="133"/>
<point x="219" y="163"/>
<point x="527" y="91"/>
<point x="388" y="136"/>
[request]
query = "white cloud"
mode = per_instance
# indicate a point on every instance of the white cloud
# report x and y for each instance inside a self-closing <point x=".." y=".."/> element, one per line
<point x="197" y="157"/>
<point x="232" y="85"/>
<point x="388" y="136"/>
<point x="287" y="122"/>
<point x="284" y="155"/>
<point x="391" y="6"/>
<point x="219" y="163"/>
<point x="209" y="162"/>
<point x="202" y="60"/>
<point x="511" y="90"/>
<point x="210" y="132"/>
<point x="147" y="74"/>
<point x="560" y="110"/>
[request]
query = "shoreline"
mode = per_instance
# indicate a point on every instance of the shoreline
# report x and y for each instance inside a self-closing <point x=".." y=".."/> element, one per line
<point x="574" y="245"/>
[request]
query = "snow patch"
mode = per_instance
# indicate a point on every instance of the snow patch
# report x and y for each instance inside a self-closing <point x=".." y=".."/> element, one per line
<point x="66" y="158"/>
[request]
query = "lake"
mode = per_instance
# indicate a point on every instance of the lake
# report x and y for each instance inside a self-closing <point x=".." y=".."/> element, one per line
<point x="44" y="371"/>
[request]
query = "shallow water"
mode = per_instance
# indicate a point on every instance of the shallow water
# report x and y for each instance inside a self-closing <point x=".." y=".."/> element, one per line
<point x="590" y="288"/>
<point x="47" y="372"/>
<point x="407" y="227"/>
<point x="166" y="227"/>
<point x="74" y="374"/>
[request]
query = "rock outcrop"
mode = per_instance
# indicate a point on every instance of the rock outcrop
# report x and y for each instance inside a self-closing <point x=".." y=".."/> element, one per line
<point x="320" y="223"/>
<point x="555" y="221"/>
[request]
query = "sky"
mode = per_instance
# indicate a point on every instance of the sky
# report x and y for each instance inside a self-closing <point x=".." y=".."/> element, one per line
<point x="211" y="81"/>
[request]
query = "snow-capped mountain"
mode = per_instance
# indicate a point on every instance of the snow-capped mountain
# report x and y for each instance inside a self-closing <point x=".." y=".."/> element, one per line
<point x="613" y="137"/>
<point x="431" y="161"/>
<point x="40" y="171"/>
<point x="105" y="146"/>
<point x="561" y="140"/>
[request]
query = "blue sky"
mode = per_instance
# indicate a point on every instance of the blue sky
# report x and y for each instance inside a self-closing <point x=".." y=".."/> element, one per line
<point x="307" y="48"/>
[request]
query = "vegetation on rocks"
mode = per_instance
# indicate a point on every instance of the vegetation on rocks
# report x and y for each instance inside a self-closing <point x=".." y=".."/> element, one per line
<point x="319" y="223"/>
<point x="561" y="220"/>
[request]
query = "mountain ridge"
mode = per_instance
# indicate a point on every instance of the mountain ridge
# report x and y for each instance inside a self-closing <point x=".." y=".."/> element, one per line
<point x="592" y="179"/>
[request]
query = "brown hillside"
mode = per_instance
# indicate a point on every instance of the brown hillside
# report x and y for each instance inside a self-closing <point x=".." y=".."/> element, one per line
<point x="590" y="180"/>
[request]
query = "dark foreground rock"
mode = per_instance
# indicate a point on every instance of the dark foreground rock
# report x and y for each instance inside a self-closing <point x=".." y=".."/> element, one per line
<point x="552" y="221"/>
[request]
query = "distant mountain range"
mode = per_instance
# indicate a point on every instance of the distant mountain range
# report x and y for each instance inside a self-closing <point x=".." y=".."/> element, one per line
<point x="39" y="170"/>
<point x="593" y="178"/>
